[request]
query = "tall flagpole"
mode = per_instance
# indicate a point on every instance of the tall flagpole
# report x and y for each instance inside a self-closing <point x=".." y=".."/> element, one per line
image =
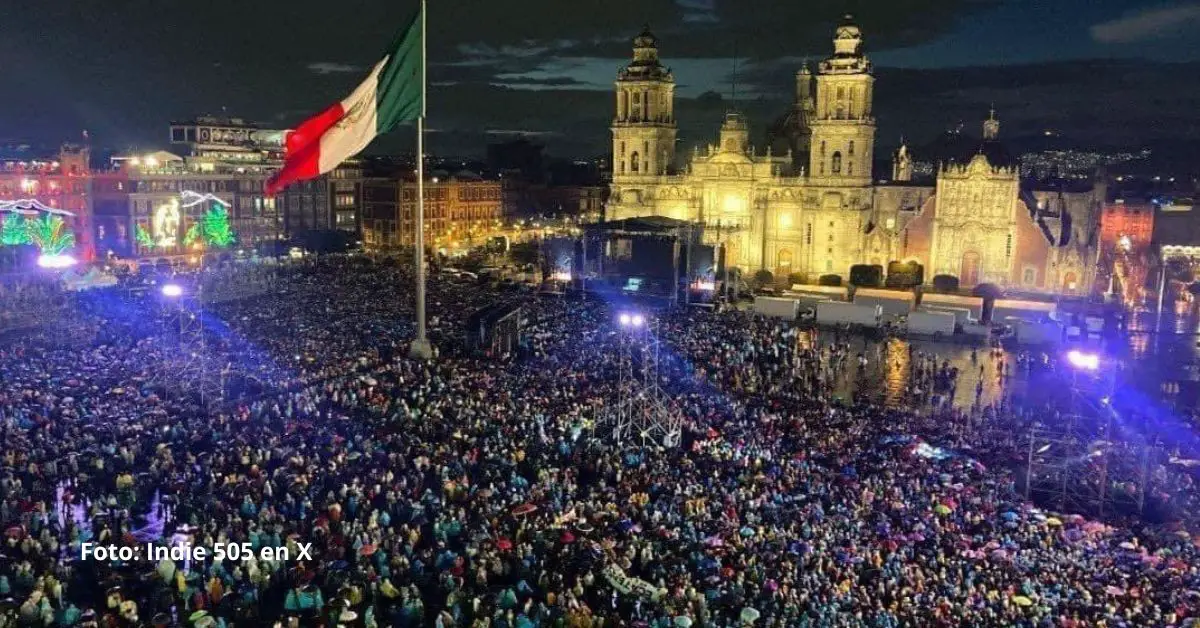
<point x="421" y="348"/>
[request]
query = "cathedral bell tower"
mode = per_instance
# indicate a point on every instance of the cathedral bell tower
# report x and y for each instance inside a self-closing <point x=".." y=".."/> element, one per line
<point x="644" y="126"/>
<point x="843" y="126"/>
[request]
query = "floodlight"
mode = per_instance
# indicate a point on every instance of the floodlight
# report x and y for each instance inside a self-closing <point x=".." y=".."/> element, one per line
<point x="56" y="261"/>
<point x="172" y="290"/>
<point x="1083" y="361"/>
<point x="625" y="320"/>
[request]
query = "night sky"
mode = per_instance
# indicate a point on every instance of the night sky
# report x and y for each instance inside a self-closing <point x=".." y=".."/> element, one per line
<point x="1103" y="72"/>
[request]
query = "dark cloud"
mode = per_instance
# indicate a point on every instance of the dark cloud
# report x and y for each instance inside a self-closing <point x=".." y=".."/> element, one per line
<point x="123" y="68"/>
<point x="1147" y="24"/>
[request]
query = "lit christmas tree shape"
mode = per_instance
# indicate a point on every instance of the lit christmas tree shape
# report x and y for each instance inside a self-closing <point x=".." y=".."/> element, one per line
<point x="13" y="231"/>
<point x="50" y="234"/>
<point x="216" y="228"/>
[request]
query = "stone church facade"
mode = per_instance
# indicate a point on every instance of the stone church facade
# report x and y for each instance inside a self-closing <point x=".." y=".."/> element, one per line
<point x="815" y="208"/>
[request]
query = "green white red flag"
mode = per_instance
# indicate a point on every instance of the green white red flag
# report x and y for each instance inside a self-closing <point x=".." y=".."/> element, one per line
<point x="392" y="94"/>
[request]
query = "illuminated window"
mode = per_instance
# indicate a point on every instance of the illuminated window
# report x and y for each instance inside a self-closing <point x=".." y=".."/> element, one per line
<point x="785" y="220"/>
<point x="890" y="223"/>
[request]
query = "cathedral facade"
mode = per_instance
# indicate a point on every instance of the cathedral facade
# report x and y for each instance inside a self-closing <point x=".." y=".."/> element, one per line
<point x="810" y="205"/>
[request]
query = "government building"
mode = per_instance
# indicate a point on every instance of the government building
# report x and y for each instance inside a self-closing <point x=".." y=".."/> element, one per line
<point x="809" y="204"/>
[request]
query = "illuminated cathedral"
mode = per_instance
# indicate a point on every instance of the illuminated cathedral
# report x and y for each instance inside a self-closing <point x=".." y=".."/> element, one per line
<point x="813" y="206"/>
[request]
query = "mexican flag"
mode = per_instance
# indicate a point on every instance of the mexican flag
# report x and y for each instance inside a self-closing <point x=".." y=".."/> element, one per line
<point x="393" y="93"/>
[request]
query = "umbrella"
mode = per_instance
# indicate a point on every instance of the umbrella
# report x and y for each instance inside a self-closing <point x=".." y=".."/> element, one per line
<point x="367" y="549"/>
<point x="683" y="621"/>
<point x="1021" y="600"/>
<point x="1054" y="522"/>
<point x="524" y="509"/>
<point x="504" y="545"/>
<point x="942" y="509"/>
<point x="749" y="615"/>
<point x="1113" y="590"/>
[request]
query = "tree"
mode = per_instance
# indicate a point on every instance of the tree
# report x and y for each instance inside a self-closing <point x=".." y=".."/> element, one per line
<point x="866" y="276"/>
<point x="829" y="280"/>
<point x="50" y="235"/>
<point x="763" y="277"/>
<point x="988" y="291"/>
<point x="795" y="278"/>
<point x="946" y="284"/>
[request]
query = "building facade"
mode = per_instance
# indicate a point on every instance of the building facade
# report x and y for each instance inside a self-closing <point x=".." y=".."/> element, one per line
<point x="461" y="212"/>
<point x="332" y="201"/>
<point x="146" y="211"/>
<point x="62" y="182"/>
<point x="816" y="209"/>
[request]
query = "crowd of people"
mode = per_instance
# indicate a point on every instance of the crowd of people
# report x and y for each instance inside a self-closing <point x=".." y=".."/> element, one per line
<point x="487" y="490"/>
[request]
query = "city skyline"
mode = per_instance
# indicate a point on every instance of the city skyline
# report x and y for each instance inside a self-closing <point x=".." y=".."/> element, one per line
<point x="1076" y="67"/>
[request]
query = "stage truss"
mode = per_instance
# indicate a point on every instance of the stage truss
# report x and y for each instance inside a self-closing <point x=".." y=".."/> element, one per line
<point x="641" y="414"/>
<point x="1083" y="461"/>
<point x="195" y="372"/>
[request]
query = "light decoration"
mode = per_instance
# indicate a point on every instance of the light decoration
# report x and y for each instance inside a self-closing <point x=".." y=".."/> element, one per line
<point x="13" y="231"/>
<point x="561" y="275"/>
<point x="165" y="224"/>
<point x="31" y="207"/>
<point x="707" y="286"/>
<point x="172" y="290"/>
<point x="190" y="198"/>
<point x="50" y="234"/>
<point x="144" y="239"/>
<point x="1083" y="361"/>
<point x="56" y="261"/>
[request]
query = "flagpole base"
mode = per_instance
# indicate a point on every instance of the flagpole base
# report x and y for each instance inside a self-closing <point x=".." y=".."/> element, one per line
<point x="421" y="350"/>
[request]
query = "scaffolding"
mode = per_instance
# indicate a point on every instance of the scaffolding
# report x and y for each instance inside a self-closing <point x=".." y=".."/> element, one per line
<point x="195" y="372"/>
<point x="641" y="413"/>
<point x="1086" y="462"/>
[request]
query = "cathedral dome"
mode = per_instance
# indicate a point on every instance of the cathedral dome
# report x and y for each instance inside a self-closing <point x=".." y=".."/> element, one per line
<point x="848" y="29"/>
<point x="645" y="39"/>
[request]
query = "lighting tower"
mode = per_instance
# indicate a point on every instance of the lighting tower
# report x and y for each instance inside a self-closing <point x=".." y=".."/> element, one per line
<point x="1086" y="462"/>
<point x="641" y="410"/>
<point x="187" y="314"/>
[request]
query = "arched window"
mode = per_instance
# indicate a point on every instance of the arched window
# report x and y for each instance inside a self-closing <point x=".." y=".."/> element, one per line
<point x="840" y="113"/>
<point x="835" y="166"/>
<point x="850" y="167"/>
<point x="850" y="151"/>
<point x="785" y="262"/>
<point x="634" y="162"/>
